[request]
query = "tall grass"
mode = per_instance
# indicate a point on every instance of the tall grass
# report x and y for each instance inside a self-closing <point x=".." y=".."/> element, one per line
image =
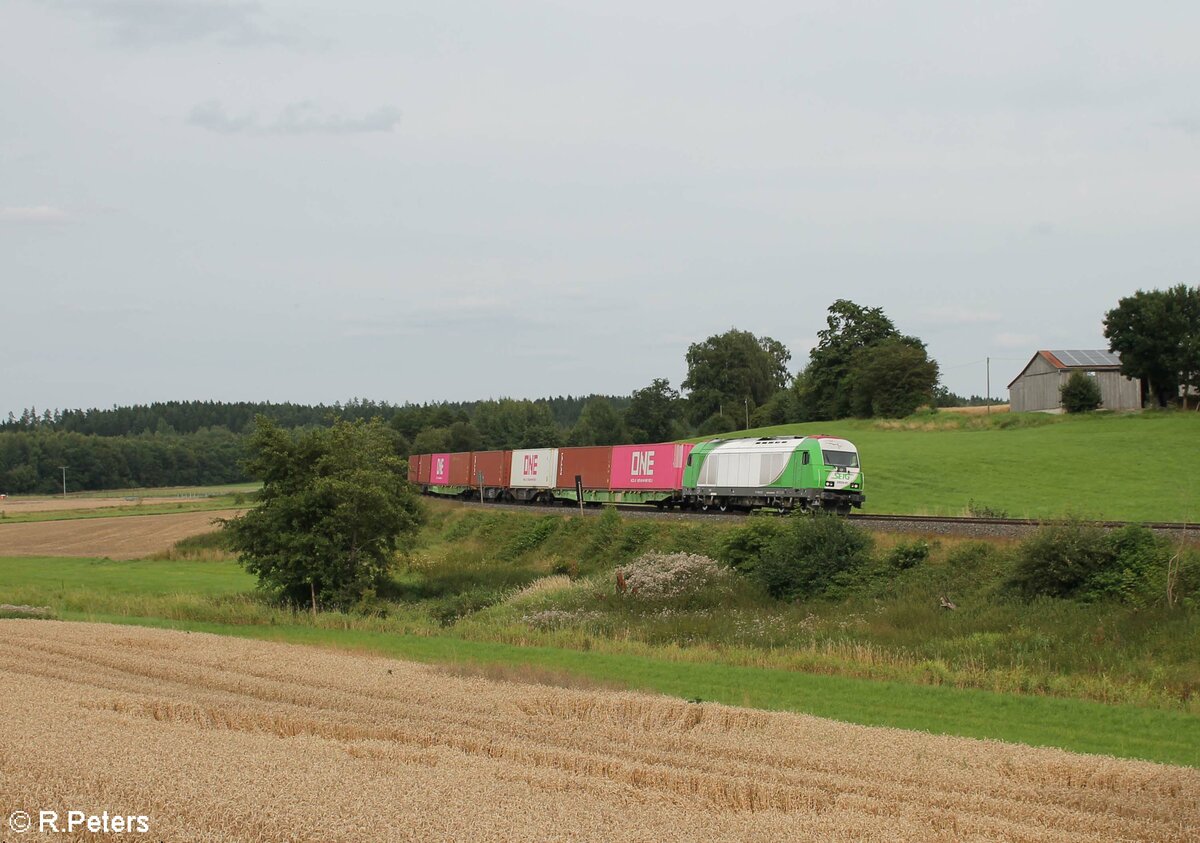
<point x="551" y="580"/>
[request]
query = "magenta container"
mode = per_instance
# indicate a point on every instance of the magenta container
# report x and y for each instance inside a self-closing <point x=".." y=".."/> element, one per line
<point x="439" y="469"/>
<point x="649" y="466"/>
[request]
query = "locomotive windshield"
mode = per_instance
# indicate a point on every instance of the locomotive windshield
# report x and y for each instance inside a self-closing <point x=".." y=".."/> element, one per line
<point x="841" y="459"/>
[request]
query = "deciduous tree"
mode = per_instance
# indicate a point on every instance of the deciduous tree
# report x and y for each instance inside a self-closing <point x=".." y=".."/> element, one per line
<point x="891" y="379"/>
<point x="599" y="424"/>
<point x="335" y="507"/>
<point x="1157" y="334"/>
<point x="728" y="370"/>
<point x="653" y="413"/>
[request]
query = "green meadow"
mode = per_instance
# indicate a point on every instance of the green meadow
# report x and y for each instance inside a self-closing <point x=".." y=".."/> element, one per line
<point x="1122" y="467"/>
<point x="534" y="597"/>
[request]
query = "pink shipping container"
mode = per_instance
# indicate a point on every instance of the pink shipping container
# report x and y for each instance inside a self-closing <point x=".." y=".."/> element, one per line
<point x="649" y="466"/>
<point x="439" y="471"/>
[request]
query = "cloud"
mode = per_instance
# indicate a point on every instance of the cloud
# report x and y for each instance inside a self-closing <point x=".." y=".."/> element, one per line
<point x="305" y="118"/>
<point x="1187" y="125"/>
<point x="212" y="116"/>
<point x="149" y="23"/>
<point x="1020" y="341"/>
<point x="299" y="118"/>
<point x="34" y="215"/>
<point x="957" y="315"/>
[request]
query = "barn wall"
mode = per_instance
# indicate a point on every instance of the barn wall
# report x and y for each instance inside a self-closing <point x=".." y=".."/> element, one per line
<point x="1033" y="393"/>
<point x="1119" y="392"/>
<point x="1036" y="389"/>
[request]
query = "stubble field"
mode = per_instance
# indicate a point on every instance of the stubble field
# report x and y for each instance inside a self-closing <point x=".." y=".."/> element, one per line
<point x="20" y="506"/>
<point x="221" y="739"/>
<point x="119" y="537"/>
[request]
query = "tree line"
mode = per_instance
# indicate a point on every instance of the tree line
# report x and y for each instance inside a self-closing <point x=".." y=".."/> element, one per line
<point x="862" y="366"/>
<point x="31" y="461"/>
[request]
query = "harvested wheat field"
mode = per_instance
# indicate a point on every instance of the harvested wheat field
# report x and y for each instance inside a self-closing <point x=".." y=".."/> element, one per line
<point x="19" y="506"/>
<point x="120" y="537"/>
<point x="976" y="411"/>
<point x="216" y="738"/>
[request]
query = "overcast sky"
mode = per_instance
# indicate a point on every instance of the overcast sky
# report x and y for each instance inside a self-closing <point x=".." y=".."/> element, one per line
<point x="309" y="201"/>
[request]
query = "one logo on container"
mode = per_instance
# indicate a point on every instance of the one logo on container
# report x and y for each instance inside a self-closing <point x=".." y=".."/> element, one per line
<point x="531" y="466"/>
<point x="642" y="464"/>
<point x="641" y="468"/>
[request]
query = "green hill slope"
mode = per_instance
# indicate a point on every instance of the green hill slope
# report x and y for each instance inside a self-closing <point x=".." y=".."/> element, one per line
<point x="1136" y="467"/>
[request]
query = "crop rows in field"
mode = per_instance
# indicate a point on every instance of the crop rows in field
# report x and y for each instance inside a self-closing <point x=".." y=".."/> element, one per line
<point x="223" y="739"/>
<point x="119" y="537"/>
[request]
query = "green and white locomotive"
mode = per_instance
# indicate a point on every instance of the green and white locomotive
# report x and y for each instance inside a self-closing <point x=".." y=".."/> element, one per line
<point x="782" y="472"/>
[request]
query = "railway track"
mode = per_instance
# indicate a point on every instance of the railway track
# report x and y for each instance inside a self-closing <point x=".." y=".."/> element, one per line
<point x="926" y="524"/>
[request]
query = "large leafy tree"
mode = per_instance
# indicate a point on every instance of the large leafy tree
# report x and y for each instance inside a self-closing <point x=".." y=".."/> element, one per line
<point x="1157" y="334"/>
<point x="599" y="424"/>
<point x="733" y="369"/>
<point x="335" y="508"/>
<point x="891" y="379"/>
<point x="863" y="366"/>
<point x="825" y="390"/>
<point x="653" y="414"/>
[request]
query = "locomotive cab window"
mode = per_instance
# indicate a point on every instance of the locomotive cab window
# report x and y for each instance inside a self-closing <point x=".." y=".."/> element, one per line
<point x="804" y="459"/>
<point x="840" y="459"/>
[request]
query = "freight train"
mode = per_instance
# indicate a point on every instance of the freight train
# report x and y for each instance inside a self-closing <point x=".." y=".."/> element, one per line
<point x="775" y="472"/>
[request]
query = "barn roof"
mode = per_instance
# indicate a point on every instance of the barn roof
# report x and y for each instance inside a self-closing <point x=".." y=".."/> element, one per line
<point x="1064" y="359"/>
<point x="1082" y="359"/>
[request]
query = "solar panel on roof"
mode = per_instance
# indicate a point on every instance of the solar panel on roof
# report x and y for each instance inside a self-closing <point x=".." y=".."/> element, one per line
<point x="1087" y="357"/>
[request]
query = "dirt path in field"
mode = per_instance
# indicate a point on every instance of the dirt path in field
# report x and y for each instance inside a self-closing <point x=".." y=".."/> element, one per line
<point x="217" y="739"/>
<point x="120" y="537"/>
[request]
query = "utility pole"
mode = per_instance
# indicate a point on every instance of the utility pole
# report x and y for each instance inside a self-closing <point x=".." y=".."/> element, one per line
<point x="64" y="471"/>
<point x="989" y="386"/>
<point x="747" y="413"/>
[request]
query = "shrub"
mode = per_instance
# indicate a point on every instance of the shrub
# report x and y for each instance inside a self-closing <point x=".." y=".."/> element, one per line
<point x="1138" y="563"/>
<point x="1080" y="394"/>
<point x="532" y="534"/>
<point x="907" y="555"/>
<point x="979" y="510"/>
<point x="606" y="534"/>
<point x="635" y="537"/>
<point x="1082" y="561"/>
<point x="742" y="547"/>
<point x="814" y="555"/>
<point x="448" y="610"/>
<point x="656" y="577"/>
<point x="1057" y="559"/>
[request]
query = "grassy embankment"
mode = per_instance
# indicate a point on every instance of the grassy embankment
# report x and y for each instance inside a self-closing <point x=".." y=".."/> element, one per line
<point x="534" y="596"/>
<point x="1127" y="467"/>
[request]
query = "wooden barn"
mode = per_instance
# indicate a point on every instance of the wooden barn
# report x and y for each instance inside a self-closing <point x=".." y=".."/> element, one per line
<point x="1036" y="389"/>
